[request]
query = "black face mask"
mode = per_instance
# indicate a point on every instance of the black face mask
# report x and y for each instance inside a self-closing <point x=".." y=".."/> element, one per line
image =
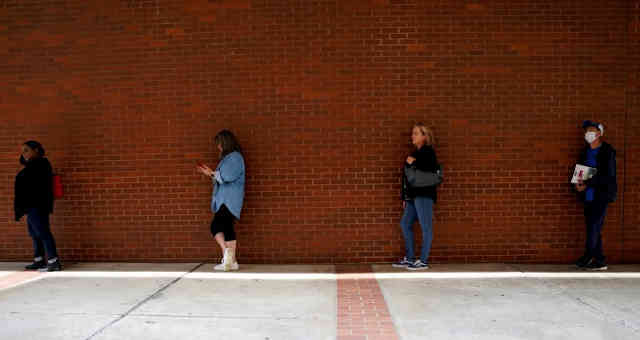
<point x="22" y="160"/>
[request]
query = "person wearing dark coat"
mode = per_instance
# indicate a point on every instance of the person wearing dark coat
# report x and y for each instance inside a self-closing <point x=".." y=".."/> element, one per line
<point x="418" y="201"/>
<point x="34" y="199"/>
<point x="596" y="193"/>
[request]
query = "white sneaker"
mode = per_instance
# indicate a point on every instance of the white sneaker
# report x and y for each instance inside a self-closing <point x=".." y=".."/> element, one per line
<point x="221" y="267"/>
<point x="228" y="262"/>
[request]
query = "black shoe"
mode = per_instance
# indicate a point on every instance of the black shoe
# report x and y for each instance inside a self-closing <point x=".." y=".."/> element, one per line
<point x="418" y="265"/>
<point x="402" y="263"/>
<point x="596" y="265"/>
<point x="36" y="265"/>
<point x="52" y="267"/>
<point x="583" y="261"/>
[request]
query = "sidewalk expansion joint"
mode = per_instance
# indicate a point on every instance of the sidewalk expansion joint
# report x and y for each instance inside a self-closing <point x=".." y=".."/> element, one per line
<point x="217" y="316"/>
<point x="152" y="296"/>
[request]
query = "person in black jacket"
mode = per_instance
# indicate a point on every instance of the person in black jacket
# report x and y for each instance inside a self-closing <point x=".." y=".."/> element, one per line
<point x="418" y="202"/>
<point x="596" y="193"/>
<point x="34" y="198"/>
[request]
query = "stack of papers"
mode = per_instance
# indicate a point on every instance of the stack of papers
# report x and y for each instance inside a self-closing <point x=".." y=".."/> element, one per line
<point x="583" y="172"/>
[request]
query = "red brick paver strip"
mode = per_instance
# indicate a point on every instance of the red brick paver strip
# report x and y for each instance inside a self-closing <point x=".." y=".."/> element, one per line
<point x="362" y="309"/>
<point x="17" y="278"/>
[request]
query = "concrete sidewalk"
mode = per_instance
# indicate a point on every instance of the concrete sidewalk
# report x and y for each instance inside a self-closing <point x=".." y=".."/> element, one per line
<point x="190" y="301"/>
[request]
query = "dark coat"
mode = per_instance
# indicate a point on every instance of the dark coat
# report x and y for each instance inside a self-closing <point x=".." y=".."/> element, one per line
<point x="34" y="187"/>
<point x="604" y="182"/>
<point x="426" y="161"/>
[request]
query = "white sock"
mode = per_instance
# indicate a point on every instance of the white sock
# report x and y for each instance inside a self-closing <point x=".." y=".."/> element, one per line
<point x="37" y="259"/>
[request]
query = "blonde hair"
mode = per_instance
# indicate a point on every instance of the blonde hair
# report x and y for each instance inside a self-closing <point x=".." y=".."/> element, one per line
<point x="431" y="140"/>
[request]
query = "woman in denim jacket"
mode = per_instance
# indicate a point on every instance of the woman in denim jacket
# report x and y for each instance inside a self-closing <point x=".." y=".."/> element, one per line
<point x="228" y="195"/>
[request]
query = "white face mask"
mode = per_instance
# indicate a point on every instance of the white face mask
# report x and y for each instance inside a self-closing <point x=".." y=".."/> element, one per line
<point x="590" y="137"/>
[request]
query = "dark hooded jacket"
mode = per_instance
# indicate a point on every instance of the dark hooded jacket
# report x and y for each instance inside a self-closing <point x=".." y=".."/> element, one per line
<point x="604" y="182"/>
<point x="34" y="187"/>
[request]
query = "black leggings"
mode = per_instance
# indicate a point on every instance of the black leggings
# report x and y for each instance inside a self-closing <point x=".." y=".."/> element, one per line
<point x="223" y="223"/>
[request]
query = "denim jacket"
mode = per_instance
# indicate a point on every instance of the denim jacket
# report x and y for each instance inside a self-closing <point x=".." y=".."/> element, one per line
<point x="228" y="184"/>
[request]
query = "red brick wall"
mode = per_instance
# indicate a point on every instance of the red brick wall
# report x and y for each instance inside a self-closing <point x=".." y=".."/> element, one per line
<point x="631" y="203"/>
<point x="127" y="95"/>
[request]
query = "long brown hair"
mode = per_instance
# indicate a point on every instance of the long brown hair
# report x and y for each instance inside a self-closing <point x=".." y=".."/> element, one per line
<point x="228" y="141"/>
<point x="431" y="139"/>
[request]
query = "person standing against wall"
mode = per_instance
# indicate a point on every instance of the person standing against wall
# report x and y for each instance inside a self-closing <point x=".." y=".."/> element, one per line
<point x="418" y="201"/>
<point x="34" y="198"/>
<point x="228" y="196"/>
<point x="596" y="192"/>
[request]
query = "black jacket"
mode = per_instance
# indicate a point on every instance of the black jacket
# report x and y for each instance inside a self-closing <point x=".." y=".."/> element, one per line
<point x="426" y="161"/>
<point x="604" y="182"/>
<point x="34" y="187"/>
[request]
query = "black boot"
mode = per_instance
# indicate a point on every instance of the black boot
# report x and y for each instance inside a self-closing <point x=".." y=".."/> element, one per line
<point x="54" y="266"/>
<point x="36" y="265"/>
<point x="583" y="261"/>
<point x="595" y="265"/>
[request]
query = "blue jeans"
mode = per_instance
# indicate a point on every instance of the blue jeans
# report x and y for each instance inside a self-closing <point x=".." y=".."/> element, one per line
<point x="40" y="232"/>
<point x="421" y="208"/>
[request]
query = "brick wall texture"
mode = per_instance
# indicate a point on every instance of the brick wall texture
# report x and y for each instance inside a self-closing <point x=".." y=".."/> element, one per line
<point x="127" y="95"/>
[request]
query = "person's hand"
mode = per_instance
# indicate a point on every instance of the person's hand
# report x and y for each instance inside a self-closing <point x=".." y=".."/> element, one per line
<point x="581" y="186"/>
<point x="410" y="160"/>
<point x="205" y="170"/>
<point x="404" y="204"/>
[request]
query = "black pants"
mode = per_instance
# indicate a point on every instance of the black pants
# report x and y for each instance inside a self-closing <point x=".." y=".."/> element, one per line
<point x="40" y="232"/>
<point x="594" y="213"/>
<point x="223" y="223"/>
